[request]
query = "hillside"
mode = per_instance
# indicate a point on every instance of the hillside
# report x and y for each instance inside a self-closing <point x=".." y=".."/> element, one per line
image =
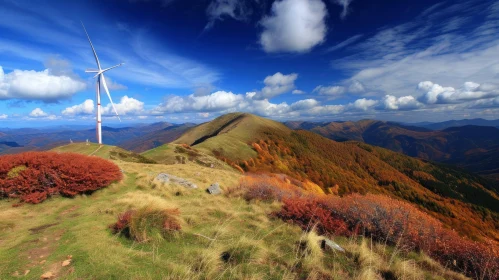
<point x="230" y="134"/>
<point x="155" y="138"/>
<point x="221" y="237"/>
<point x="464" y="201"/>
<point x="456" y="123"/>
<point x="455" y="145"/>
<point x="104" y="151"/>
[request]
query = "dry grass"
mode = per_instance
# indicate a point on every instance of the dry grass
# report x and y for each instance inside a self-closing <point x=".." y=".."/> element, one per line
<point x="259" y="247"/>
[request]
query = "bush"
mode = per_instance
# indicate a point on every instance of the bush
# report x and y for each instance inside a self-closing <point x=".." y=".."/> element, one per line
<point x="395" y="222"/>
<point x="35" y="176"/>
<point x="379" y="217"/>
<point x="147" y="223"/>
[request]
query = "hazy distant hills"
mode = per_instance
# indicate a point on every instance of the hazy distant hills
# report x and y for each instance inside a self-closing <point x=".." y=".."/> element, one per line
<point x="454" y="123"/>
<point x="469" y="146"/>
<point x="136" y="138"/>
<point x="256" y="144"/>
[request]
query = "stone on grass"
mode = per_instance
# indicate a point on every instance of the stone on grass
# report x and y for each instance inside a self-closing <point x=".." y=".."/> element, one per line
<point x="328" y="244"/>
<point x="214" y="189"/>
<point x="66" y="262"/>
<point x="47" y="275"/>
<point x="165" y="178"/>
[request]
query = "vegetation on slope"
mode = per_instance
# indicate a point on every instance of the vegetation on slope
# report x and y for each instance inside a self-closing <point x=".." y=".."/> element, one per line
<point x="344" y="168"/>
<point x="103" y="151"/>
<point x="221" y="237"/>
<point x="35" y="176"/>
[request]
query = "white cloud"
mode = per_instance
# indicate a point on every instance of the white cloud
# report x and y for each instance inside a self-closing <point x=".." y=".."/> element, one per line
<point x="391" y="102"/>
<point x="333" y="91"/>
<point x="85" y="108"/>
<point x="297" y="91"/>
<point x="356" y="87"/>
<point x="3" y="116"/>
<point x="345" y="4"/>
<point x="33" y="85"/>
<point x="218" y="9"/>
<point x="38" y="113"/>
<point x="437" y="94"/>
<point x="294" y="26"/>
<point x="112" y="85"/>
<point x="304" y="104"/>
<point x="127" y="105"/>
<point x="277" y="84"/>
<point x="364" y="104"/>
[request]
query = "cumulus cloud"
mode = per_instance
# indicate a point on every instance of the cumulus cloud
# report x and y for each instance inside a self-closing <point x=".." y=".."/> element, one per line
<point x="85" y="108"/>
<point x="437" y="94"/>
<point x="127" y="105"/>
<point x="294" y="26"/>
<point x="33" y="85"/>
<point x="277" y="84"/>
<point x="304" y="104"/>
<point x="38" y="113"/>
<point x="391" y="102"/>
<point x="356" y="87"/>
<point x="3" y="116"/>
<point x="218" y="9"/>
<point x="364" y="104"/>
<point x="297" y="91"/>
<point x="333" y="91"/>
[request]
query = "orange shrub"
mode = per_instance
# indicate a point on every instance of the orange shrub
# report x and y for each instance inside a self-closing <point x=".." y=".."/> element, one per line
<point x="35" y="176"/>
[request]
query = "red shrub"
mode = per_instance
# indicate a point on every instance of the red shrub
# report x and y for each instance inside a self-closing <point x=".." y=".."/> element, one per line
<point x="35" y="176"/>
<point x="122" y="225"/>
<point x="395" y="222"/>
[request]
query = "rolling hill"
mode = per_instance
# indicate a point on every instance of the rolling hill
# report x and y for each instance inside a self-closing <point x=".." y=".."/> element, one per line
<point x="465" y="146"/>
<point x="253" y="144"/>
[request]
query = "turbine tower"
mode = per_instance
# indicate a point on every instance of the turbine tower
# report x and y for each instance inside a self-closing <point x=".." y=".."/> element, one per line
<point x="100" y="79"/>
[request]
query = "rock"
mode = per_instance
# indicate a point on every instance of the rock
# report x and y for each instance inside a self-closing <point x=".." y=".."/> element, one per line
<point x="163" y="177"/>
<point x="47" y="275"/>
<point x="214" y="189"/>
<point x="66" y="262"/>
<point x="327" y="244"/>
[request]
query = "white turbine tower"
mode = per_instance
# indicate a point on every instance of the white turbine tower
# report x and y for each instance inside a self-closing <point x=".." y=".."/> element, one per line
<point x="100" y="79"/>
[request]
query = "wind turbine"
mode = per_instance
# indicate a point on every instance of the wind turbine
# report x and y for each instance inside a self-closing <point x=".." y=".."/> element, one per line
<point x="100" y="79"/>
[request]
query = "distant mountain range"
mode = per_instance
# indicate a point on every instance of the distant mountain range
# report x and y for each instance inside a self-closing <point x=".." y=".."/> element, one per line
<point x="470" y="146"/>
<point x="455" y="123"/>
<point x="138" y="138"/>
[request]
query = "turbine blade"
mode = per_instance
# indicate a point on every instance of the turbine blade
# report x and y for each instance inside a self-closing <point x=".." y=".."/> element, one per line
<point x="93" y="49"/>
<point x="91" y="71"/>
<point x="109" y="95"/>
<point x="112" y="67"/>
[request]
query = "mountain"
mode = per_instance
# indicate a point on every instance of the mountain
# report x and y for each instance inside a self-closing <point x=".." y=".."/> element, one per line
<point x="456" y="123"/>
<point x="466" y="146"/>
<point x="155" y="138"/>
<point x="38" y="139"/>
<point x="253" y="144"/>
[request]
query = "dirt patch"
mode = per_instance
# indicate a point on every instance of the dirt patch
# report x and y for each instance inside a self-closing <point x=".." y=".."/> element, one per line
<point x="67" y="211"/>
<point x="41" y="228"/>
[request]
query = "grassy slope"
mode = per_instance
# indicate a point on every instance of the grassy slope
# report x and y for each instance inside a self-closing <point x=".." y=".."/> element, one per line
<point x="104" y="151"/>
<point x="39" y="237"/>
<point x="345" y="167"/>
<point x="232" y="141"/>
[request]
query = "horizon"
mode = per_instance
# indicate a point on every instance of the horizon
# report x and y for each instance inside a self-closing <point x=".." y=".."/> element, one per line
<point x="429" y="61"/>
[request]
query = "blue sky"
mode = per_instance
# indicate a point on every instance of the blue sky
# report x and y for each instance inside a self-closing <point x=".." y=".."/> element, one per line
<point x="193" y="60"/>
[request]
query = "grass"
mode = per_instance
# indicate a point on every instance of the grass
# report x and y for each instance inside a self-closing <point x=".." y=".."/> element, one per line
<point x="222" y="237"/>
<point x="233" y="133"/>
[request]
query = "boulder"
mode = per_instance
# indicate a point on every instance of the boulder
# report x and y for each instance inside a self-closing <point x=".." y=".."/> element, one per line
<point x="214" y="189"/>
<point x="328" y="244"/>
<point x="164" y="177"/>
